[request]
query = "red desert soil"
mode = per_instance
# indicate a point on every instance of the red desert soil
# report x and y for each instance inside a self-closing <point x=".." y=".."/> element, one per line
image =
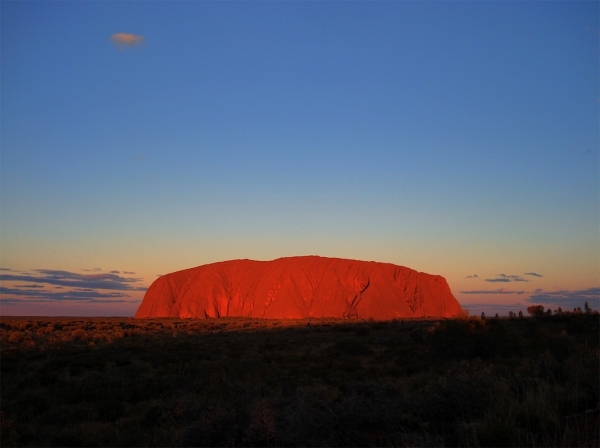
<point x="299" y="287"/>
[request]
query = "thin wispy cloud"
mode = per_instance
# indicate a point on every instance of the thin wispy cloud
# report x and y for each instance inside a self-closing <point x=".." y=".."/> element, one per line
<point x="534" y="274"/>
<point x="493" y="291"/>
<point x="50" y="296"/>
<point x="472" y="276"/>
<point x="503" y="278"/>
<point x="502" y="308"/>
<point x="123" y="40"/>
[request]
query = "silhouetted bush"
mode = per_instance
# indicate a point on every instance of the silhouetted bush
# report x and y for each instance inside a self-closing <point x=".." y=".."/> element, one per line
<point x="535" y="310"/>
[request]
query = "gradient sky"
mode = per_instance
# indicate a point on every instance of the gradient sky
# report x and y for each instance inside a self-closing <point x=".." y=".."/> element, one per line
<point x="455" y="138"/>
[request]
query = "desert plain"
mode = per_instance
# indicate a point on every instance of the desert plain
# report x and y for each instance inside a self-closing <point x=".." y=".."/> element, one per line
<point x="530" y="381"/>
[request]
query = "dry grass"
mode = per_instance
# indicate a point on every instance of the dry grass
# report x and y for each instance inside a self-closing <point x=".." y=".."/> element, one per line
<point x="170" y="382"/>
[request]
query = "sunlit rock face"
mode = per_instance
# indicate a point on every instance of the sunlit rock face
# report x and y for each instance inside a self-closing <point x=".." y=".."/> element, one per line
<point x="298" y="287"/>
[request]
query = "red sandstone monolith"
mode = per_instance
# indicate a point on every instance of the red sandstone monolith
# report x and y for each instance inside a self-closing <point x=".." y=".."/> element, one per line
<point x="298" y="287"/>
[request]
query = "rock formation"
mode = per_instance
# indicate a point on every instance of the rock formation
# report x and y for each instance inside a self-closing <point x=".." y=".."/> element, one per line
<point x="298" y="287"/>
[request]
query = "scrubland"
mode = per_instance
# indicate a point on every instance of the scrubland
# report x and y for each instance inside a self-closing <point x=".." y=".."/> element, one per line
<point x="232" y="381"/>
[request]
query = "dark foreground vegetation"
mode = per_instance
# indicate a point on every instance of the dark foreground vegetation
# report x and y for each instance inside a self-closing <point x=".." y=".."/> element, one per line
<point x="225" y="382"/>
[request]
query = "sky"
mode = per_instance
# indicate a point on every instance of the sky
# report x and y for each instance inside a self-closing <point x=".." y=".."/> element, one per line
<point x="454" y="138"/>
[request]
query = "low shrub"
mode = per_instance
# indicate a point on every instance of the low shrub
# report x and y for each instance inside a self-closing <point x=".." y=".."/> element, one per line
<point x="79" y="334"/>
<point x="16" y="337"/>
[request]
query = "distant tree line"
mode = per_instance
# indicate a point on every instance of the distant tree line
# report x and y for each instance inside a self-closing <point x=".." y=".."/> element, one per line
<point x="539" y="310"/>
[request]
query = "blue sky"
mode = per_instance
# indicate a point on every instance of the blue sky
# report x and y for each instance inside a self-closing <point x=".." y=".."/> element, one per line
<point x="455" y="138"/>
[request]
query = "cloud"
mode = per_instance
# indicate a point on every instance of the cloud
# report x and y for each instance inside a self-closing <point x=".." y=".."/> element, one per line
<point x="128" y="272"/>
<point x="535" y="274"/>
<point x="506" y="278"/>
<point x="49" y="296"/>
<point x="490" y="308"/>
<point x="114" y="272"/>
<point x="123" y="40"/>
<point x="13" y="301"/>
<point x="72" y="279"/>
<point x="45" y="285"/>
<point x="472" y="276"/>
<point x="53" y="286"/>
<point x="569" y="299"/>
<point x="493" y="291"/>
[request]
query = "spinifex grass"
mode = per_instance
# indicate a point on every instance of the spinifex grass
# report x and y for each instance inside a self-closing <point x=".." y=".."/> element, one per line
<point x="161" y="382"/>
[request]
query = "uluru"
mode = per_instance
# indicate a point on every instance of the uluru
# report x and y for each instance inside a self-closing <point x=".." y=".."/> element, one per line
<point x="299" y="287"/>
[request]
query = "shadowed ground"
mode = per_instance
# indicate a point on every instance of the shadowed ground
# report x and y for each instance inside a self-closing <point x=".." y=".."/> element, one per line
<point x="326" y="382"/>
